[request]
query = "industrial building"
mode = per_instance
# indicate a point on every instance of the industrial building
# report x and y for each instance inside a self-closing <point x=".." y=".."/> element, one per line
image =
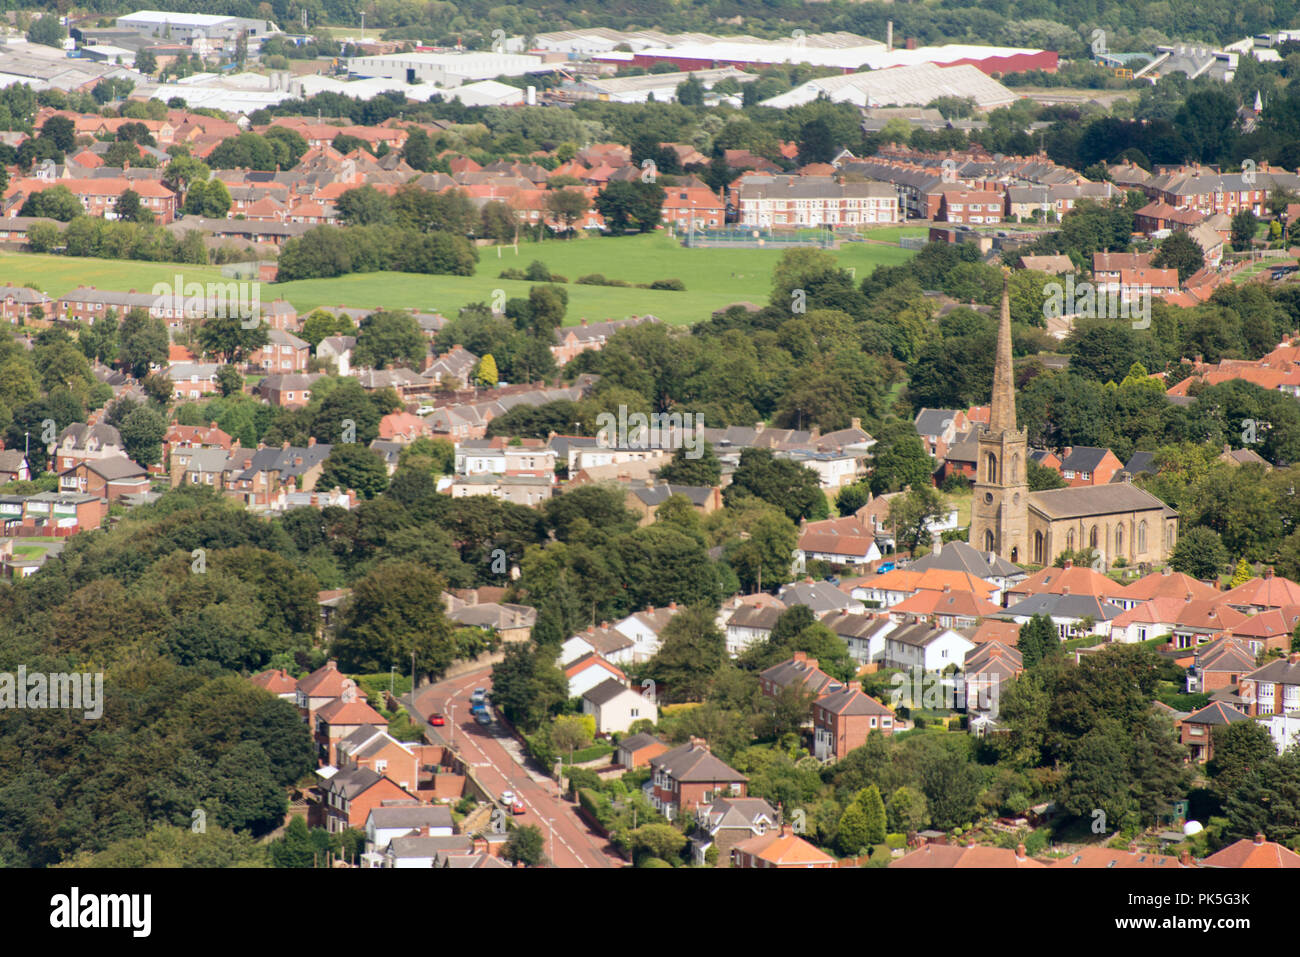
<point x="901" y="86"/>
<point x="186" y="27"/>
<point x="446" y="69"/>
<point x="660" y="87"/>
<point x="850" y="58"/>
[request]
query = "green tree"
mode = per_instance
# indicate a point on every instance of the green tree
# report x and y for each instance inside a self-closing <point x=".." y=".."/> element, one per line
<point x="395" y="610"/>
<point x="792" y="487"/>
<point x="1037" y="640"/>
<point x="911" y="513"/>
<point x="387" y="338"/>
<point x="1179" y="251"/>
<point x="630" y="205"/>
<point x="142" y="434"/>
<point x="702" y="470"/>
<point x="1244" y="225"/>
<point x="47" y="31"/>
<point x="691" y="652"/>
<point x="1199" y="553"/>
<point x="229" y="381"/>
<point x="907" y="811"/>
<point x="661" y="841"/>
<point x="567" y="206"/>
<point x="230" y="339"/>
<point x="486" y="373"/>
<point x="525" y="846"/>
<point x="1241" y="574"/>
<point x="143" y="342"/>
<point x="353" y="466"/>
<point x="900" y="460"/>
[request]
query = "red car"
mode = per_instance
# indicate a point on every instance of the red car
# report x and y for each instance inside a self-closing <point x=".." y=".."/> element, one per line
<point x="437" y="720"/>
<point x="517" y="807"/>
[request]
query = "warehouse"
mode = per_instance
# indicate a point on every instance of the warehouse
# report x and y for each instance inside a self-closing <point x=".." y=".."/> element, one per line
<point x="184" y="27"/>
<point x="446" y="69"/>
<point x="850" y="58"/>
<point x="901" y="86"/>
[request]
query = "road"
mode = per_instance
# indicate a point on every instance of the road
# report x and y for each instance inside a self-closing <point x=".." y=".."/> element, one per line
<point x="496" y="759"/>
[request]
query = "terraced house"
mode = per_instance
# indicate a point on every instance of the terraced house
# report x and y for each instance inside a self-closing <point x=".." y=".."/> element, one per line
<point x="784" y="201"/>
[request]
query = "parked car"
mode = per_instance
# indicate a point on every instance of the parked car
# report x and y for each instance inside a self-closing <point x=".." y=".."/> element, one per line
<point x="437" y="720"/>
<point x="478" y="708"/>
<point x="507" y="798"/>
<point x="479" y="696"/>
<point x="483" y="718"/>
<point x="517" y="807"/>
<point x="885" y="567"/>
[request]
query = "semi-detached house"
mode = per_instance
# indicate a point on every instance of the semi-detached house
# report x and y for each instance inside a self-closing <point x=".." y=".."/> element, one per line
<point x="689" y="775"/>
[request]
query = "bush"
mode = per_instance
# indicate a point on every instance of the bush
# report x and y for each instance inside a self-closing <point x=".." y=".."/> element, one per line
<point x="675" y="285"/>
<point x="582" y="779"/>
<point x="955" y="482"/>
<point x="895" y="841"/>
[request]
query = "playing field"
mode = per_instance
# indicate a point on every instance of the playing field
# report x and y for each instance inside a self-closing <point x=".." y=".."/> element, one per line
<point x="714" y="278"/>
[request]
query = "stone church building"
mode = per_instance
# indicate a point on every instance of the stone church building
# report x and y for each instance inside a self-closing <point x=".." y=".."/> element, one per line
<point x="1119" y="520"/>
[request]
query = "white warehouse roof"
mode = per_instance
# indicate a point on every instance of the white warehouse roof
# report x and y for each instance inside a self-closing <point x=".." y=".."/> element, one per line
<point x="901" y="86"/>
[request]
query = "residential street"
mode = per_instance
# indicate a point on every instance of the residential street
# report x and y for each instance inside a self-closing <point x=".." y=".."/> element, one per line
<point x="496" y="759"/>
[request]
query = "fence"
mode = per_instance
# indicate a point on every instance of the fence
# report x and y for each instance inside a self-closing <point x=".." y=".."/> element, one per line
<point x="742" y="237"/>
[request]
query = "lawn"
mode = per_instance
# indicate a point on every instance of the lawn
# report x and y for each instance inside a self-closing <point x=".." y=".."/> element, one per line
<point x="56" y="275"/>
<point x="713" y="277"/>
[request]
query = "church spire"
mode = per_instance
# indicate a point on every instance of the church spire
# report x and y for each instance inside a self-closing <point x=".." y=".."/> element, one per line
<point x="1002" y="414"/>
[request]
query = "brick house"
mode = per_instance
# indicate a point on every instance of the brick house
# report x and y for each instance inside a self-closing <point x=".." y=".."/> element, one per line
<point x="109" y="478"/>
<point x="797" y="671"/>
<point x="208" y="436"/>
<point x="193" y="380"/>
<point x="346" y="798"/>
<point x="779" y="849"/>
<point x="319" y="688"/>
<point x="637" y="750"/>
<point x="283" y="353"/>
<point x="688" y="776"/>
<point x="1273" y="688"/>
<point x="337" y="720"/>
<point x="17" y="302"/>
<point x="727" y="822"/>
<point x="262" y="474"/>
<point x="684" y="204"/>
<point x="843" y="717"/>
<point x="1197" y="729"/>
<point x="1083" y="465"/>
<point x="371" y="746"/>
<point x="291" y="391"/>
<point x="970" y="206"/>
<point x="82" y="441"/>
<point x="1218" y="665"/>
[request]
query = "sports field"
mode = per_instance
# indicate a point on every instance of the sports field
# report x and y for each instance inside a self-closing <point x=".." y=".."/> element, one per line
<point x="714" y="278"/>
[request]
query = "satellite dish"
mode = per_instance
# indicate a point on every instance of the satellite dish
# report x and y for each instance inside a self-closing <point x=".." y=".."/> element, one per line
<point x="1192" y="827"/>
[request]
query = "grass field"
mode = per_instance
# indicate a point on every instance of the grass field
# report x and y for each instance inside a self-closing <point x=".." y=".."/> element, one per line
<point x="713" y="277"/>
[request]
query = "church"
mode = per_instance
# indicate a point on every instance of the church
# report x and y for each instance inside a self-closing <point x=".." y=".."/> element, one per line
<point x="1118" y="520"/>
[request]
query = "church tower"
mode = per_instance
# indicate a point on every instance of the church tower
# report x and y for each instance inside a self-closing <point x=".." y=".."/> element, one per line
<point x="1000" y="509"/>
